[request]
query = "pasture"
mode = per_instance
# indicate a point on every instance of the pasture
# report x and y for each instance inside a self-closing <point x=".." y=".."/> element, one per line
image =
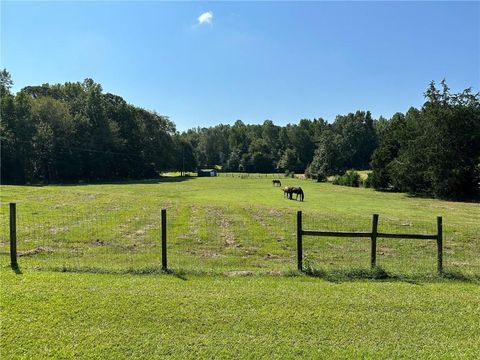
<point x="227" y="224"/>
<point x="90" y="281"/>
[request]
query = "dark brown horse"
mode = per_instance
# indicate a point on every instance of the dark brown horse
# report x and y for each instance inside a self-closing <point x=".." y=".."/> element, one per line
<point x="297" y="191"/>
<point x="276" y="182"/>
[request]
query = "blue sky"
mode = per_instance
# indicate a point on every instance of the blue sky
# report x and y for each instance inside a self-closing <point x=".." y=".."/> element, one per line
<point x="247" y="60"/>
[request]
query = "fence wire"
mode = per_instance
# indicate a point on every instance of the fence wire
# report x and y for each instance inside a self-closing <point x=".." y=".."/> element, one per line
<point x="212" y="239"/>
<point x="396" y="255"/>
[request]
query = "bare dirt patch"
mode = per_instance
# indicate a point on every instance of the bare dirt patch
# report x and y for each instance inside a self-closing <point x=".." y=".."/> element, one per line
<point x="205" y="253"/>
<point x="37" y="250"/>
<point x="385" y="250"/>
<point x="239" y="273"/>
<point x="226" y="227"/>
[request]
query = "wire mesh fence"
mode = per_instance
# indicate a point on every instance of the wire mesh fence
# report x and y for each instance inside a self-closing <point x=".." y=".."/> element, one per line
<point x="397" y="255"/>
<point x="257" y="175"/>
<point x="214" y="239"/>
<point x="105" y="238"/>
<point x="129" y="238"/>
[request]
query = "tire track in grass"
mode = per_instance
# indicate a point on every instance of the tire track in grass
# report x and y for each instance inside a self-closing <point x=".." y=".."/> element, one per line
<point x="228" y="245"/>
<point x="194" y="245"/>
<point x="259" y="238"/>
<point x="178" y="235"/>
<point x="225" y="247"/>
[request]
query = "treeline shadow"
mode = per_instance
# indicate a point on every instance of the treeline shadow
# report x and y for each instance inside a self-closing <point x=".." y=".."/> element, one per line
<point x="166" y="179"/>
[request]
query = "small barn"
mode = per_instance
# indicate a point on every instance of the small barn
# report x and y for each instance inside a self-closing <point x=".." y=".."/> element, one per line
<point x="207" y="172"/>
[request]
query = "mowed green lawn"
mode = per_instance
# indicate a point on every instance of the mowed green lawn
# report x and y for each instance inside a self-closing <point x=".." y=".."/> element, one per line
<point x="104" y="316"/>
<point x="89" y="283"/>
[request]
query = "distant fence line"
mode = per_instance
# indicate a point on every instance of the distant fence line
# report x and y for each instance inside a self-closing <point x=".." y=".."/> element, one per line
<point x="257" y="175"/>
<point x="373" y="235"/>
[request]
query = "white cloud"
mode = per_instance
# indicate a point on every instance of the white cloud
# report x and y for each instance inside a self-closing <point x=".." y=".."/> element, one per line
<point x="205" y="18"/>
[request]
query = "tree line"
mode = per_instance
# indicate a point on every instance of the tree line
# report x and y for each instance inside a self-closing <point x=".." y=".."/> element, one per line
<point x="74" y="131"/>
<point x="433" y="151"/>
<point x="71" y="132"/>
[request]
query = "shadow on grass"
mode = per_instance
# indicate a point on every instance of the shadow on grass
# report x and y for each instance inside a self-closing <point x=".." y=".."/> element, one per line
<point x="163" y="179"/>
<point x="16" y="269"/>
<point x="181" y="274"/>
<point x="379" y="274"/>
<point x="330" y="275"/>
<point x="474" y="200"/>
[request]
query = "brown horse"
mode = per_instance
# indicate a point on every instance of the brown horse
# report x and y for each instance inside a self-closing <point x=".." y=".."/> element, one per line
<point x="287" y="191"/>
<point x="297" y="191"/>
<point x="276" y="182"/>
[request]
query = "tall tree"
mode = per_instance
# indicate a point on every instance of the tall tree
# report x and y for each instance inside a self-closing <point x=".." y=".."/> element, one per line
<point x="438" y="150"/>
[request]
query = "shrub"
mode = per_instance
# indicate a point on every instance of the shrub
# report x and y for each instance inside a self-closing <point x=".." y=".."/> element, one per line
<point x="319" y="176"/>
<point x="289" y="173"/>
<point x="350" y="178"/>
<point x="368" y="181"/>
<point x="308" y="174"/>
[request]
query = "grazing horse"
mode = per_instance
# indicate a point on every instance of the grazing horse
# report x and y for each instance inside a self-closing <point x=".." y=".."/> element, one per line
<point x="297" y="191"/>
<point x="276" y="182"/>
<point x="287" y="191"/>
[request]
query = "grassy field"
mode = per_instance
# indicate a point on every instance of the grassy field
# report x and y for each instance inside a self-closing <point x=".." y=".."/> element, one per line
<point x="89" y="283"/>
<point x="227" y="224"/>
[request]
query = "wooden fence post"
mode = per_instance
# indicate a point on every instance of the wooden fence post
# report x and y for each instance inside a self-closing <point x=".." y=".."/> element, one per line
<point x="13" y="236"/>
<point x="439" y="245"/>
<point x="373" y="248"/>
<point x="164" y="239"/>
<point x="299" y="241"/>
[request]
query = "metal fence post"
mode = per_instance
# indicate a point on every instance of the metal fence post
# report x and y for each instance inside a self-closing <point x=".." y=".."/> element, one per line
<point x="373" y="248"/>
<point x="299" y="241"/>
<point x="164" y="239"/>
<point x="439" y="245"/>
<point x="13" y="236"/>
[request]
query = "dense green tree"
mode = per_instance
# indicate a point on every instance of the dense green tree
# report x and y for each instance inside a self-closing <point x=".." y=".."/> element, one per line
<point x="289" y="161"/>
<point x="5" y="82"/>
<point x="75" y="132"/>
<point x="10" y="171"/>
<point x="391" y="134"/>
<point x="184" y="157"/>
<point x="348" y="143"/>
<point x="434" y="151"/>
